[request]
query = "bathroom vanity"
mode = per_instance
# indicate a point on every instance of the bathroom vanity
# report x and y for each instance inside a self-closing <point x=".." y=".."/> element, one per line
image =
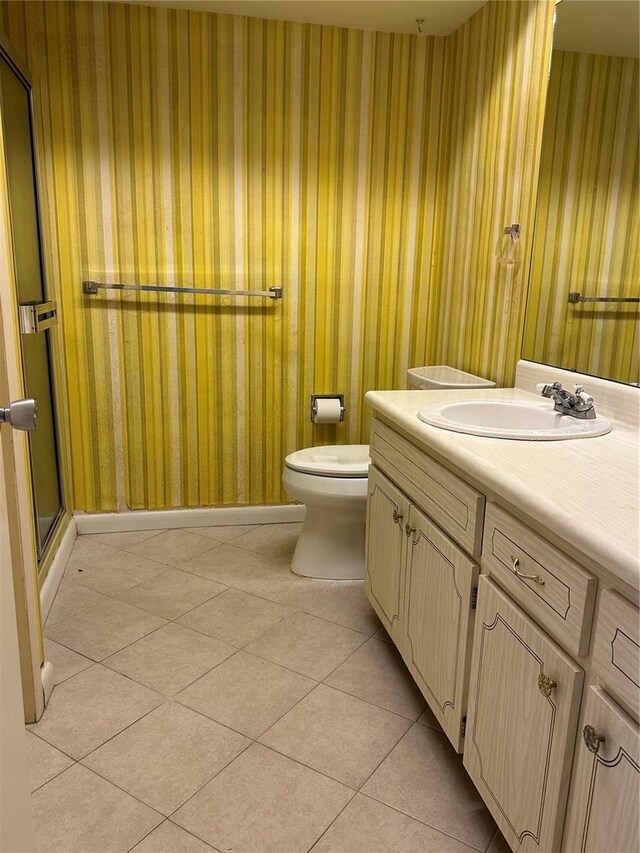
<point x="507" y="574"/>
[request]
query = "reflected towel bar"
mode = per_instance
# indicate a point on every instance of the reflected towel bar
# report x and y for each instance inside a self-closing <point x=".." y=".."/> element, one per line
<point x="91" y="287"/>
<point x="576" y="296"/>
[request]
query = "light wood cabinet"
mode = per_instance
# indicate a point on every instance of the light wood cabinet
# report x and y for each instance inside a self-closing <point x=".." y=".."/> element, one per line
<point x="603" y="812"/>
<point x="387" y="514"/>
<point x="422" y="586"/>
<point x="453" y="504"/>
<point x="523" y="709"/>
<point x="440" y="589"/>
<point x="500" y="678"/>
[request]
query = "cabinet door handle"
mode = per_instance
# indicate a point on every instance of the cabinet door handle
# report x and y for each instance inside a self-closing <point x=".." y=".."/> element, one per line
<point x="397" y="517"/>
<point x="408" y="529"/>
<point x="592" y="738"/>
<point x="545" y="684"/>
<point x="515" y="562"/>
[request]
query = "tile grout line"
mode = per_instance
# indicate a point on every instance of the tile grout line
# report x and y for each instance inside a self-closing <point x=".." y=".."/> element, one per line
<point x="324" y="832"/>
<point x="111" y="737"/>
<point x="361" y="786"/>
<point x="137" y="798"/>
<point x="62" y="681"/>
<point x="373" y="797"/>
<point x="168" y="820"/>
<point x="470" y="847"/>
<point x="167" y="568"/>
<point x="284" y="713"/>
<point x="180" y="615"/>
<point x="85" y="655"/>
<point x="55" y="776"/>
<point x="101" y="662"/>
<point x="129" y="549"/>
<point x="412" y="720"/>
<point x="424" y="823"/>
<point x="165" y="699"/>
<point x="251" y="740"/>
<point x="293" y="611"/>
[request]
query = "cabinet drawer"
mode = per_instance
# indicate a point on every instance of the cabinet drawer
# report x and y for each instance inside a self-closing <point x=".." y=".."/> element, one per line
<point x="456" y="507"/>
<point x="557" y="592"/>
<point x="616" y="649"/>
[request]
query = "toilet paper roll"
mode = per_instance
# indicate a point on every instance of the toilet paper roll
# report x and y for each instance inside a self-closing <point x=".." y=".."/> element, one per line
<point x="327" y="411"/>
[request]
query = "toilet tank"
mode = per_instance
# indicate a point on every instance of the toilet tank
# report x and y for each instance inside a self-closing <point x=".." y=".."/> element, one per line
<point x="441" y="376"/>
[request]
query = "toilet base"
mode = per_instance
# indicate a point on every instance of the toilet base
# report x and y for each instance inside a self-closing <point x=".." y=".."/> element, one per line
<point x="331" y="544"/>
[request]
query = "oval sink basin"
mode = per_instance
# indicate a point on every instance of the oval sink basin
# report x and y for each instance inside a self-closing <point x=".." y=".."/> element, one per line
<point x="524" y="421"/>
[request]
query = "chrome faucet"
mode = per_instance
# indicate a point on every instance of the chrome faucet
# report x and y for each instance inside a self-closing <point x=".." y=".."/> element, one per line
<point x="578" y="405"/>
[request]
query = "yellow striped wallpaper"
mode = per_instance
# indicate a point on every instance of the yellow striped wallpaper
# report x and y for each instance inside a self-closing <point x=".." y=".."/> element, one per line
<point x="190" y="148"/>
<point x="587" y="224"/>
<point x="496" y="72"/>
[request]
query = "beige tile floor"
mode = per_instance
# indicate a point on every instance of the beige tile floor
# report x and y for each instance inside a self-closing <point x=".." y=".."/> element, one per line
<point x="207" y="699"/>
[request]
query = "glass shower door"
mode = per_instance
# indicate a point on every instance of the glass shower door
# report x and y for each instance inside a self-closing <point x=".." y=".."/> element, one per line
<point x="36" y="314"/>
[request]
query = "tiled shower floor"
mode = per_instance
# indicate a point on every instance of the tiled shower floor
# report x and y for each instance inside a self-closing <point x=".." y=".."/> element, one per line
<point x="208" y="699"/>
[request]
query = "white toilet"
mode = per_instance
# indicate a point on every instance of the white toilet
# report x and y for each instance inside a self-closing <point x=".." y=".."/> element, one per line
<point x="332" y="483"/>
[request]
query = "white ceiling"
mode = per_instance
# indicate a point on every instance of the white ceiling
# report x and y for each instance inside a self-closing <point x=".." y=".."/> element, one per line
<point x="609" y="27"/>
<point x="441" y="17"/>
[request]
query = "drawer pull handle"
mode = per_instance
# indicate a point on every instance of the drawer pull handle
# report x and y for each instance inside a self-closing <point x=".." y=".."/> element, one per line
<point x="408" y="529"/>
<point x="397" y="517"/>
<point x="515" y="562"/>
<point x="592" y="738"/>
<point x="545" y="684"/>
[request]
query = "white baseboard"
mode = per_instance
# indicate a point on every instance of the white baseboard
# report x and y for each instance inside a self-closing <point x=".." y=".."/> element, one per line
<point x="56" y="569"/>
<point x="164" y="519"/>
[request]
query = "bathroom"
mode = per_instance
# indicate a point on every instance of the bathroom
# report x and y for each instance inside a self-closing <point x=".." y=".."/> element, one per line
<point x="366" y="158"/>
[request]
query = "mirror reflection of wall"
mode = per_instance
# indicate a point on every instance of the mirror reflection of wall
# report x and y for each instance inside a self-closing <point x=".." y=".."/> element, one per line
<point x="586" y="228"/>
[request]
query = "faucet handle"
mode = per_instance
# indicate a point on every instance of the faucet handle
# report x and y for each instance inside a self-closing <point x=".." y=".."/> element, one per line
<point x="548" y="390"/>
<point x="584" y="396"/>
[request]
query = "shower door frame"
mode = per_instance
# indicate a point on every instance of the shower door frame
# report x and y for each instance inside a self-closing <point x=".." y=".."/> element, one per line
<point x="7" y="52"/>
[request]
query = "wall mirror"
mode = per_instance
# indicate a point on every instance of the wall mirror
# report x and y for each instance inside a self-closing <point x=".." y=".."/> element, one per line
<point x="586" y="234"/>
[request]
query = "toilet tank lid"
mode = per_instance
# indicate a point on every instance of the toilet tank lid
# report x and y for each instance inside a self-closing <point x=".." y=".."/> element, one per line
<point x="334" y="460"/>
<point x="443" y="376"/>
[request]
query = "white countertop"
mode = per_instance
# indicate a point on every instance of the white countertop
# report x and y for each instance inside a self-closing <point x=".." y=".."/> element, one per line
<point x="584" y="492"/>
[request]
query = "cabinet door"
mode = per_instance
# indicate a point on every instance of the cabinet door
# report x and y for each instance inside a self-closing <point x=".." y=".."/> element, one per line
<point x="603" y="814"/>
<point x="524" y="696"/>
<point x="440" y="583"/>
<point x="387" y="514"/>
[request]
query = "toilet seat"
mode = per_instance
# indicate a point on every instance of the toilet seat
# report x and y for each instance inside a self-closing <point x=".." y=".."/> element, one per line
<point x="334" y="460"/>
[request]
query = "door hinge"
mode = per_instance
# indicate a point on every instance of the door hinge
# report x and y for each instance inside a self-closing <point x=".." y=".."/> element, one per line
<point x="463" y="726"/>
<point x="474" y="598"/>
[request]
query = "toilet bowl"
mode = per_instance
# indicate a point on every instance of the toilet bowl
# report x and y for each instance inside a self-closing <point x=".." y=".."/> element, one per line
<point x="332" y="484"/>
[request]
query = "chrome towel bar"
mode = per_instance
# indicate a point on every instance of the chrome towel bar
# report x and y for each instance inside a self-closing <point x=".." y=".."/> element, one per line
<point x="91" y="287"/>
<point x="576" y="296"/>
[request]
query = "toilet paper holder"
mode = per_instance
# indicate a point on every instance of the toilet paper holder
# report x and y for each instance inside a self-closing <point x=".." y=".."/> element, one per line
<point x="316" y="397"/>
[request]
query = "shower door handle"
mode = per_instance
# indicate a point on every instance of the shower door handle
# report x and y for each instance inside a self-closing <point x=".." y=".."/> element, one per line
<point x="37" y="316"/>
<point x="21" y="414"/>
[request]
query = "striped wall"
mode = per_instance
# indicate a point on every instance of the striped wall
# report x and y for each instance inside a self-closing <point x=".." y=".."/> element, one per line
<point x="187" y="148"/>
<point x="496" y="73"/>
<point x="587" y="224"/>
